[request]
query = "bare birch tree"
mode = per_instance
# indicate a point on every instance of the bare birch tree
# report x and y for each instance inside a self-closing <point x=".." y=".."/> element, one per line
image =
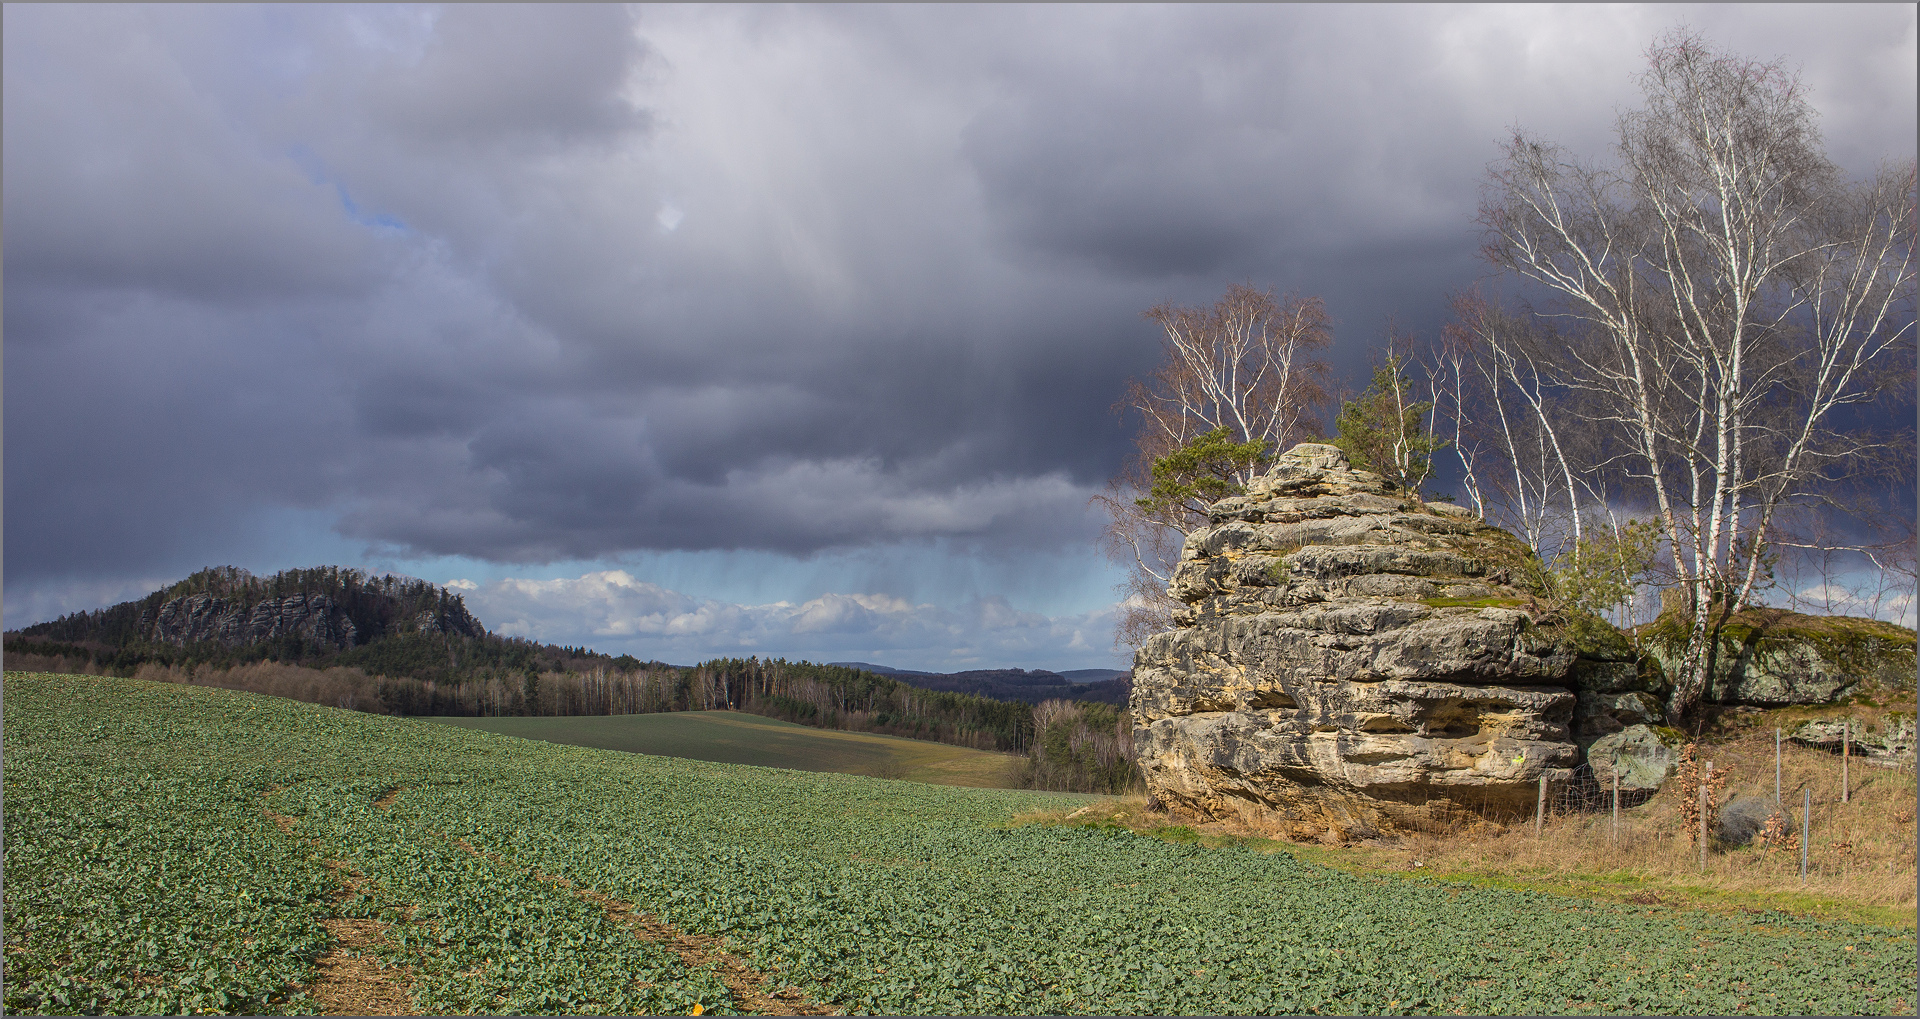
<point x="1248" y="365"/>
<point x="1728" y="293"/>
<point x="1493" y="387"/>
<point x="1526" y="451"/>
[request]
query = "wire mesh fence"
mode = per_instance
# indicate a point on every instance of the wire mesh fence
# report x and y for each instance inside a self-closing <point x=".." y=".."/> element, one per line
<point x="1583" y="790"/>
<point x="1804" y="815"/>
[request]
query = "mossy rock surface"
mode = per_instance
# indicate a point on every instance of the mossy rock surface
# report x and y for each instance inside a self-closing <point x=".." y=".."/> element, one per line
<point x="1773" y="657"/>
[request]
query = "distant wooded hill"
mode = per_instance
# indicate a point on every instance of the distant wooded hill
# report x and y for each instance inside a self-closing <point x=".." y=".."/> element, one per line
<point x="393" y="645"/>
<point x="1030" y="686"/>
<point x="324" y="617"/>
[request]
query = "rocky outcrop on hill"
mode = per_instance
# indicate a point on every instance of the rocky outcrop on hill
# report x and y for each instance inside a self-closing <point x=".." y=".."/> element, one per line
<point x="203" y="618"/>
<point x="316" y="618"/>
<point x="1348" y="657"/>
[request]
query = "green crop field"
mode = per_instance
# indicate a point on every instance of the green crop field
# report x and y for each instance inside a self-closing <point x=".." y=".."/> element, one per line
<point x="174" y="849"/>
<point x="732" y="737"/>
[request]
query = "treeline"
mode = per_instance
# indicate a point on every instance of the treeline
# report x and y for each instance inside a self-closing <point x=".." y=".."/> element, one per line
<point x="446" y="659"/>
<point x="1081" y="747"/>
<point x="835" y="697"/>
<point x="1021" y="685"/>
<point x="1073" y="747"/>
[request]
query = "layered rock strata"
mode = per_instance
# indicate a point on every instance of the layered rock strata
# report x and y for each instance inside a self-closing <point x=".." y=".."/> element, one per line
<point x="1348" y="659"/>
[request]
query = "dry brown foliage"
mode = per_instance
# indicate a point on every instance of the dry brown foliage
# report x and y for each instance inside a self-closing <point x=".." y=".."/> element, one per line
<point x="1686" y="785"/>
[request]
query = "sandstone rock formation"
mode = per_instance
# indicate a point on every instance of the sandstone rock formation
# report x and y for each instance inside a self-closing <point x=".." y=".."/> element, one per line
<point x="1349" y="658"/>
<point x="204" y="618"/>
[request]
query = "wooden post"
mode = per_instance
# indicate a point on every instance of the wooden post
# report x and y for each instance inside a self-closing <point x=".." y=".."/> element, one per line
<point x="1540" y="807"/>
<point x="1706" y="777"/>
<point x="1846" y="755"/>
<point x="1806" y="830"/>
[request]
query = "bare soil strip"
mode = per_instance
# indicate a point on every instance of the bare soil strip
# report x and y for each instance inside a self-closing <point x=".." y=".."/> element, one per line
<point x="349" y="979"/>
<point x="753" y="991"/>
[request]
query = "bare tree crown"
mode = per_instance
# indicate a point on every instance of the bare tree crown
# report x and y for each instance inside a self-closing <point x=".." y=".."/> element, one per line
<point x="1247" y="364"/>
<point x="1721" y="292"/>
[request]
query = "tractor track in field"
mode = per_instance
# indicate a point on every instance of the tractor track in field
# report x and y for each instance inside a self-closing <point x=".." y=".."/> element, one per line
<point x="348" y="978"/>
<point x="753" y="992"/>
<point x="350" y="981"/>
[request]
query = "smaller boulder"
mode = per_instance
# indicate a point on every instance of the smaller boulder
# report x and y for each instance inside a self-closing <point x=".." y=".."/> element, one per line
<point x="1641" y="757"/>
<point x="1742" y="818"/>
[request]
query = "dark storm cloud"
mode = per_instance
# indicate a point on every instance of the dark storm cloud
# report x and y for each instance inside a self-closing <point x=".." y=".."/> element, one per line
<point x="487" y="78"/>
<point x="541" y="283"/>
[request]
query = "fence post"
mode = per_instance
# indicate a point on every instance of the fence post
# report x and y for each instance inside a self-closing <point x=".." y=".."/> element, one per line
<point x="1614" y="834"/>
<point x="1776" y="768"/>
<point x="1806" y="830"/>
<point x="1540" y="807"/>
<point x="1705" y="778"/>
<point x="1846" y="755"/>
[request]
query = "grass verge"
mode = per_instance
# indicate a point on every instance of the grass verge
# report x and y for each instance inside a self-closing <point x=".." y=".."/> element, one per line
<point x="1861" y="858"/>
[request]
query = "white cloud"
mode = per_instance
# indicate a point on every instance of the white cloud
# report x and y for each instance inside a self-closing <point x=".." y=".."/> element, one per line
<point x="613" y="612"/>
<point x="1867" y="594"/>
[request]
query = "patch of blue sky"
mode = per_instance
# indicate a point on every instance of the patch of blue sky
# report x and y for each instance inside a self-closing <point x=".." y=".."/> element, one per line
<point x="315" y="170"/>
<point x="1065" y="582"/>
<point x="363" y="217"/>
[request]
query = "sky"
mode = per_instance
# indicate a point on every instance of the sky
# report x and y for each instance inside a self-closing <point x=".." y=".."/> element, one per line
<point x="697" y="331"/>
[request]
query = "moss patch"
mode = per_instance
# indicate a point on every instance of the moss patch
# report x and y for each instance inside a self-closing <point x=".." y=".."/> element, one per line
<point x="1849" y="643"/>
<point x="1473" y="603"/>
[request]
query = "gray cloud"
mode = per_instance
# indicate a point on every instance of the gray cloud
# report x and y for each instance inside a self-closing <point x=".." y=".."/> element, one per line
<point x="532" y="284"/>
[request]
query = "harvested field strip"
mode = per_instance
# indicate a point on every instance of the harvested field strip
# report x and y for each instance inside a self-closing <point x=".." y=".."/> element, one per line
<point x="748" y="987"/>
<point x="874" y="896"/>
<point x="347" y="981"/>
<point x="350" y="982"/>
<point x="350" y="979"/>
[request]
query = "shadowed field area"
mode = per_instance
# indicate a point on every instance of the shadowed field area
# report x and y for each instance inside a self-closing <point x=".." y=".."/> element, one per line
<point x="732" y="737"/>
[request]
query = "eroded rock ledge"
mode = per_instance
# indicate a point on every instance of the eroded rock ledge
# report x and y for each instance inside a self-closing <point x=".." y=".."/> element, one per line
<point x="1349" y="658"/>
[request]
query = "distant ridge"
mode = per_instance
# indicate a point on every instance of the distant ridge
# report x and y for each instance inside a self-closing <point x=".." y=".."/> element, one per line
<point x="1071" y="676"/>
<point x="883" y="670"/>
<point x="1097" y="675"/>
<point x="1030" y="686"/>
